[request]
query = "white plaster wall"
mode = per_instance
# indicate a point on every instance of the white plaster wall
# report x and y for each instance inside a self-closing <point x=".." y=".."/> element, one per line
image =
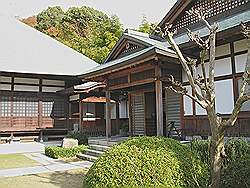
<point x="53" y="82"/>
<point x="26" y="80"/>
<point x="223" y="67"/>
<point x="240" y="62"/>
<point x="51" y="89"/>
<point x="5" y="79"/>
<point x="224" y="96"/>
<point x="240" y="45"/>
<point x="123" y="109"/>
<point x="187" y="102"/>
<point x="74" y="97"/>
<point x="26" y="88"/>
<point x="246" y="106"/>
<point x="222" y="50"/>
<point x="6" y="87"/>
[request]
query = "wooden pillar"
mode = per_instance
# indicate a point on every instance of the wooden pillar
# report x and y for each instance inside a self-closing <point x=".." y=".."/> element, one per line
<point x="130" y="130"/>
<point x="80" y="116"/>
<point x="40" y="108"/>
<point x="159" y="102"/>
<point x="69" y="124"/>
<point x="117" y="120"/>
<point x="108" y="115"/>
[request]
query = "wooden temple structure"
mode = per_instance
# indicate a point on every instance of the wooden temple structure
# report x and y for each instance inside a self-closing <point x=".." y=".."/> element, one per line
<point x="139" y="67"/>
<point x="127" y="95"/>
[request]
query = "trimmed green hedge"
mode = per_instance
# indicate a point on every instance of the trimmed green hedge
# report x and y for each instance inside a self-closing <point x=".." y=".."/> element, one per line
<point x="81" y="137"/>
<point x="60" y="152"/>
<point x="146" y="162"/>
<point x="236" y="166"/>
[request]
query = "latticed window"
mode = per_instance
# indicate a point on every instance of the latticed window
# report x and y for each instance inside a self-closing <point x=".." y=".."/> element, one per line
<point x="25" y="106"/>
<point x="213" y="7"/>
<point x="142" y="75"/>
<point x="117" y="81"/>
<point x="5" y="106"/>
<point x="54" y="107"/>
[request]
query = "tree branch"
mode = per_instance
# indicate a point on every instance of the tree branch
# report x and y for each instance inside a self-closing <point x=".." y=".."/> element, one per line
<point x="243" y="97"/>
<point x="231" y="121"/>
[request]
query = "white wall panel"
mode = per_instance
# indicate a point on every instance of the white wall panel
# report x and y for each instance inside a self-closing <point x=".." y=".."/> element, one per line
<point x="240" y="45"/>
<point x="123" y="109"/>
<point x="222" y="50"/>
<point x="5" y="79"/>
<point x="6" y="87"/>
<point x="53" y="82"/>
<point x="113" y="110"/>
<point x="26" y="81"/>
<point x="246" y="105"/>
<point x="240" y="62"/>
<point x="88" y="109"/>
<point x="184" y="76"/>
<point x="26" y="88"/>
<point x="224" y="96"/>
<point x="199" y="110"/>
<point x="187" y="102"/>
<point x="223" y="67"/>
<point x="74" y="97"/>
<point x="51" y="89"/>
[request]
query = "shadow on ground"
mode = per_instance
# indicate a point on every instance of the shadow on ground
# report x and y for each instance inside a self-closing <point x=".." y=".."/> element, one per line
<point x="66" y="179"/>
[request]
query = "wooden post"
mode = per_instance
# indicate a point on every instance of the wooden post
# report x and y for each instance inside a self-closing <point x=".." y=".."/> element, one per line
<point x="80" y="116"/>
<point x="40" y="108"/>
<point x="159" y="102"/>
<point x="69" y="124"/>
<point x="117" y="120"/>
<point x="130" y="130"/>
<point x="108" y="115"/>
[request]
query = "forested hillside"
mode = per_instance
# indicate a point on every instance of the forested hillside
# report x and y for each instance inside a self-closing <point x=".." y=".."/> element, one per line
<point x="84" y="29"/>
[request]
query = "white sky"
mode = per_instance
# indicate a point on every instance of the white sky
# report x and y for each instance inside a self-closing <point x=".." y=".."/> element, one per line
<point x="130" y="12"/>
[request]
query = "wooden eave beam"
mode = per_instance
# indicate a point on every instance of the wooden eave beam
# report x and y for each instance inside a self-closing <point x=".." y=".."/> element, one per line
<point x="141" y="82"/>
<point x="121" y="68"/>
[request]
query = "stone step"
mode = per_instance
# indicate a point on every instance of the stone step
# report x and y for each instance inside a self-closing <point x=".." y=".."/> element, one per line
<point x="95" y="153"/>
<point x="101" y="142"/>
<point x="98" y="147"/>
<point x="87" y="157"/>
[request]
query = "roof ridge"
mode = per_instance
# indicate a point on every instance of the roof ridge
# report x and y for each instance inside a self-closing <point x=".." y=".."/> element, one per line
<point x="134" y="32"/>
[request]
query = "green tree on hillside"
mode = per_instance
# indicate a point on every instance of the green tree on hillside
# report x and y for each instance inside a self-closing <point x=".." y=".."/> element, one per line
<point x="89" y="31"/>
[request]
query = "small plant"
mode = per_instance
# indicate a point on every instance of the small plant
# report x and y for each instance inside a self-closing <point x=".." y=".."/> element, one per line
<point x="60" y="152"/>
<point x="81" y="137"/>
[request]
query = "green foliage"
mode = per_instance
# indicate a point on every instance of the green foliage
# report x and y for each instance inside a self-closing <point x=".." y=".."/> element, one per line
<point x="146" y="26"/>
<point x="60" y="152"/>
<point x="84" y="29"/>
<point x="237" y="173"/>
<point x="236" y="166"/>
<point x="235" y="149"/>
<point x="146" y="162"/>
<point x="81" y="137"/>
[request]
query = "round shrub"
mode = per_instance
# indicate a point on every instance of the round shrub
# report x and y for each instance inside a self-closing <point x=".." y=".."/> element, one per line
<point x="146" y="162"/>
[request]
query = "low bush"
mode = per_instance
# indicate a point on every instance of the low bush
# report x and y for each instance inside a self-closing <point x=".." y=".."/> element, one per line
<point x="236" y="166"/>
<point x="60" y="152"/>
<point x="146" y="162"/>
<point x="81" y="137"/>
<point x="236" y="173"/>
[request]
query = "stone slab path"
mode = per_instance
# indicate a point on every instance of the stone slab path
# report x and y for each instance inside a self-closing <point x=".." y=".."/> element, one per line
<point x="46" y="165"/>
<point x="33" y="147"/>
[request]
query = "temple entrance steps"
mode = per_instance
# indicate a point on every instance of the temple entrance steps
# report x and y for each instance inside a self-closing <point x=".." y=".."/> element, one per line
<point x="97" y="146"/>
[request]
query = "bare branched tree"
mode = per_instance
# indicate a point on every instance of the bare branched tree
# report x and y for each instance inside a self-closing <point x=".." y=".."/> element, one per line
<point x="204" y="88"/>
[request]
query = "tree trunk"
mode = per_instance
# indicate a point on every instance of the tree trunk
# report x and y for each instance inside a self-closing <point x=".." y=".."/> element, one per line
<point x="217" y="155"/>
<point x="217" y="151"/>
